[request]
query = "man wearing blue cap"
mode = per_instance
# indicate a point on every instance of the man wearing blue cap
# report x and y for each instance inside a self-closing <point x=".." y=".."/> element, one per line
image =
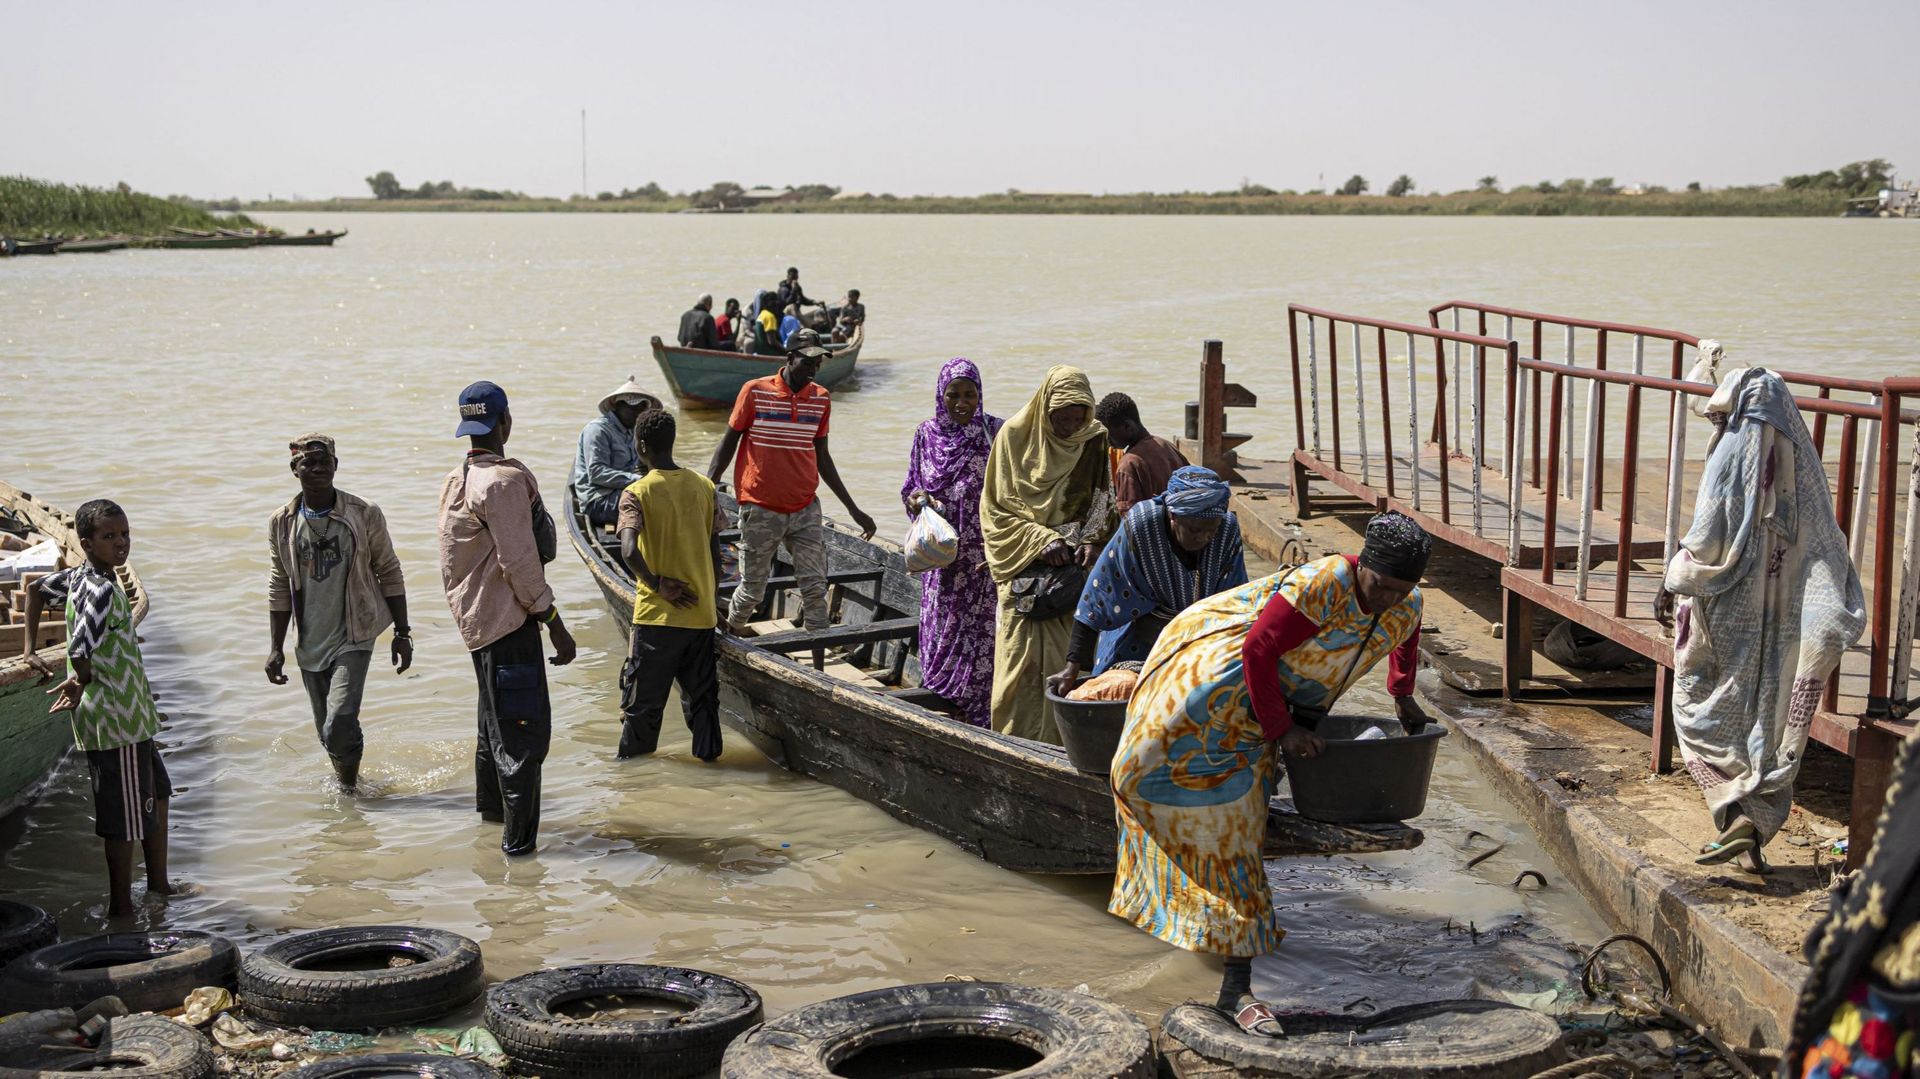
<point x="495" y="539"/>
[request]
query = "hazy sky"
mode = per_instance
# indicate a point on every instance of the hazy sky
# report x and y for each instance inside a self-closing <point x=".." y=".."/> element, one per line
<point x="247" y="99"/>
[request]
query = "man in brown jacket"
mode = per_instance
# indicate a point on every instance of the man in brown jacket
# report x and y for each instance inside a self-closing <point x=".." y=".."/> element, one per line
<point x="331" y="571"/>
<point x="495" y="538"/>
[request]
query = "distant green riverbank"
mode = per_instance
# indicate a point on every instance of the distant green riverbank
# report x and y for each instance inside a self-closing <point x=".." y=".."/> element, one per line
<point x="1733" y="202"/>
<point x="33" y="208"/>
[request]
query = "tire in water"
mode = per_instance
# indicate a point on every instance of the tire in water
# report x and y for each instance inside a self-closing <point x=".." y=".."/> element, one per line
<point x="133" y="1047"/>
<point x="24" y="927"/>
<point x="149" y="972"/>
<point x="1481" y="1038"/>
<point x="948" y="1028"/>
<point x="344" y="979"/>
<point x="521" y="1012"/>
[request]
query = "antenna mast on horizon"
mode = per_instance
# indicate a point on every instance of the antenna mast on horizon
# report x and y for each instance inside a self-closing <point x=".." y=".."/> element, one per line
<point x="583" y="153"/>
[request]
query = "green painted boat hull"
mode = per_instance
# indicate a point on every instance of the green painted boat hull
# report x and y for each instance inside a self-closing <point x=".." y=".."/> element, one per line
<point x="703" y="379"/>
<point x="32" y="744"/>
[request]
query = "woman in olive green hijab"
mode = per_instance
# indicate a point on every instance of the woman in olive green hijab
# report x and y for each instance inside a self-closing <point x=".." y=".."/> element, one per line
<point x="1045" y="512"/>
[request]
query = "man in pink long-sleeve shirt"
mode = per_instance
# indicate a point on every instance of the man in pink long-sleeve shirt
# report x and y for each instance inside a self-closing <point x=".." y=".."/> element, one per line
<point x="495" y="537"/>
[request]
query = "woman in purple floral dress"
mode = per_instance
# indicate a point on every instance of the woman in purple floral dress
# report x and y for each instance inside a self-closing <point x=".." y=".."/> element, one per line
<point x="946" y="471"/>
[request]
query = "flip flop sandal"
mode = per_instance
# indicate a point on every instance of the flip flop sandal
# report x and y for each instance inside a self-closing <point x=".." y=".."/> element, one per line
<point x="1741" y="828"/>
<point x="1258" y="1019"/>
<point x="1716" y="853"/>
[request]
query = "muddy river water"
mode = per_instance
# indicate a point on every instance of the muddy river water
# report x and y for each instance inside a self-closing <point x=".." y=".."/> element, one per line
<point x="171" y="381"/>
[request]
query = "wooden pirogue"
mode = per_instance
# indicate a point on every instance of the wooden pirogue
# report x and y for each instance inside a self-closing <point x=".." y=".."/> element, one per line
<point x="32" y="742"/>
<point x="702" y="378"/>
<point x="864" y="725"/>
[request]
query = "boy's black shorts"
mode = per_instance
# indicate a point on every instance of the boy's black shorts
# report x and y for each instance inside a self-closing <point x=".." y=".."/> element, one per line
<point x="127" y="781"/>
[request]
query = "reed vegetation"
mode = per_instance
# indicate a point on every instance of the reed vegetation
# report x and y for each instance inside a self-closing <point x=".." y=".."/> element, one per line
<point x="32" y="208"/>
<point x="1728" y="202"/>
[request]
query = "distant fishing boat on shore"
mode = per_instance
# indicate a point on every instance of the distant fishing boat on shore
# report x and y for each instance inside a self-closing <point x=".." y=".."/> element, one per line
<point x="83" y="247"/>
<point x="191" y="243"/>
<point x="702" y="378"/>
<point x="305" y="239"/>
<point x="49" y="246"/>
<point x="32" y="742"/>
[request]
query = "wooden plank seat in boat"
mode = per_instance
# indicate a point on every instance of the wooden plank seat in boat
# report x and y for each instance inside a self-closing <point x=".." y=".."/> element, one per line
<point x="838" y="576"/>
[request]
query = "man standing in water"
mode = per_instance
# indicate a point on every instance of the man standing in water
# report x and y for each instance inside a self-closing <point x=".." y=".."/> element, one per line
<point x="495" y="537"/>
<point x="332" y="571"/>
<point x="782" y="419"/>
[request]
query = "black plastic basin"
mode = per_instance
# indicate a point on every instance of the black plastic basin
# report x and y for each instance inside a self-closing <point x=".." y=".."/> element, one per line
<point x="1378" y="781"/>
<point x="1089" y="730"/>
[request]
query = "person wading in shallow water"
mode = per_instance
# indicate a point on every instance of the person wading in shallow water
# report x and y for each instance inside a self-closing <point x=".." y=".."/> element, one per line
<point x="332" y="572"/>
<point x="495" y="537"/>
<point x="670" y="524"/>
<point x="106" y="689"/>
<point x="779" y="427"/>
<point x="1230" y="676"/>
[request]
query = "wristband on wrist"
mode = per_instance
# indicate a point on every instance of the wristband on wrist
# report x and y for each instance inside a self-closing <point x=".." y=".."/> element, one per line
<point x="553" y="615"/>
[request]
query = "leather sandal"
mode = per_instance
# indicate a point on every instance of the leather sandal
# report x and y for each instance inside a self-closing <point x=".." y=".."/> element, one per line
<point x="1257" y="1019"/>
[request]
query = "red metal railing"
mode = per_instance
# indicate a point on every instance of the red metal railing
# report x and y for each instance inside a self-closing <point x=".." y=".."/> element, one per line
<point x="1329" y="458"/>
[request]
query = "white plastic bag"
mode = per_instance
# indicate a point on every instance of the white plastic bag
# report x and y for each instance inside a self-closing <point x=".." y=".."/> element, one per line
<point x="931" y="542"/>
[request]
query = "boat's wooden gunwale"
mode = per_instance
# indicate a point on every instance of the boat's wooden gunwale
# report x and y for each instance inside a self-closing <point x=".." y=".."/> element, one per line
<point x="1012" y="801"/>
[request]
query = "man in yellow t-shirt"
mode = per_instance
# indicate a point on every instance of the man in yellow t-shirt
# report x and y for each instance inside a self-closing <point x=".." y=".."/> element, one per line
<point x="766" y="332"/>
<point x="669" y="522"/>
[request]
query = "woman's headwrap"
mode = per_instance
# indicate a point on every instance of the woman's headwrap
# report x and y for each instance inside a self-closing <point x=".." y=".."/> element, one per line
<point x="1396" y="546"/>
<point x="1197" y="492"/>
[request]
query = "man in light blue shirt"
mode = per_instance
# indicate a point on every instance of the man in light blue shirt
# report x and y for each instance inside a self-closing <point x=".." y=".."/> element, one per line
<point x="608" y="461"/>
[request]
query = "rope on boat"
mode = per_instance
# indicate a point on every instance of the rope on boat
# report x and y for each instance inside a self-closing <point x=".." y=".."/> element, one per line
<point x="1534" y="873"/>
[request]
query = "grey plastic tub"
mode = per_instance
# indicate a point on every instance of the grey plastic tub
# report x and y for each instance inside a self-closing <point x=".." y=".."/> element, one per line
<point x="1378" y="781"/>
<point x="1089" y="730"/>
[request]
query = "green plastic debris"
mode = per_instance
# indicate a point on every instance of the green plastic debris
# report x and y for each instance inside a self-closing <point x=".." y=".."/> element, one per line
<point x="480" y="1042"/>
<point x="334" y="1041"/>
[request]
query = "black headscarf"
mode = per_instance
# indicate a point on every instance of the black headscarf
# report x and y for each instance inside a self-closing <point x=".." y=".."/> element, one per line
<point x="1396" y="547"/>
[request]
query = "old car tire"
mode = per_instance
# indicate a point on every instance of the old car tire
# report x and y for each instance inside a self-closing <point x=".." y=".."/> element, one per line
<point x="133" y="1047"/>
<point x="394" y="1066"/>
<point x="149" y="972"/>
<point x="24" y="927"/>
<point x="1481" y="1038"/>
<point x="520" y="1012"/>
<point x="285" y="982"/>
<point x="997" y="1028"/>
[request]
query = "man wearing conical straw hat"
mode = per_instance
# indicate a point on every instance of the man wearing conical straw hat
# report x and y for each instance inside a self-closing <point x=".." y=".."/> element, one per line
<point x="607" y="462"/>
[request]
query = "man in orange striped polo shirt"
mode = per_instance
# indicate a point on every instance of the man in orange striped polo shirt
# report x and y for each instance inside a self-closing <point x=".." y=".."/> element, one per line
<point x="779" y="428"/>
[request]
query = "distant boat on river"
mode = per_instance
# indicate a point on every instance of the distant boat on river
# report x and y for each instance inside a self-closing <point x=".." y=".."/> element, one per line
<point x="701" y="378"/>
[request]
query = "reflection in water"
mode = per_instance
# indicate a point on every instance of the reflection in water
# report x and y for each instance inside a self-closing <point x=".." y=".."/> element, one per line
<point x="790" y="885"/>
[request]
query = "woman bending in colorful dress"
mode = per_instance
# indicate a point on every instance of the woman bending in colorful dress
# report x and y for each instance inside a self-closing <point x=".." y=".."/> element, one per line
<point x="1230" y="676"/>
